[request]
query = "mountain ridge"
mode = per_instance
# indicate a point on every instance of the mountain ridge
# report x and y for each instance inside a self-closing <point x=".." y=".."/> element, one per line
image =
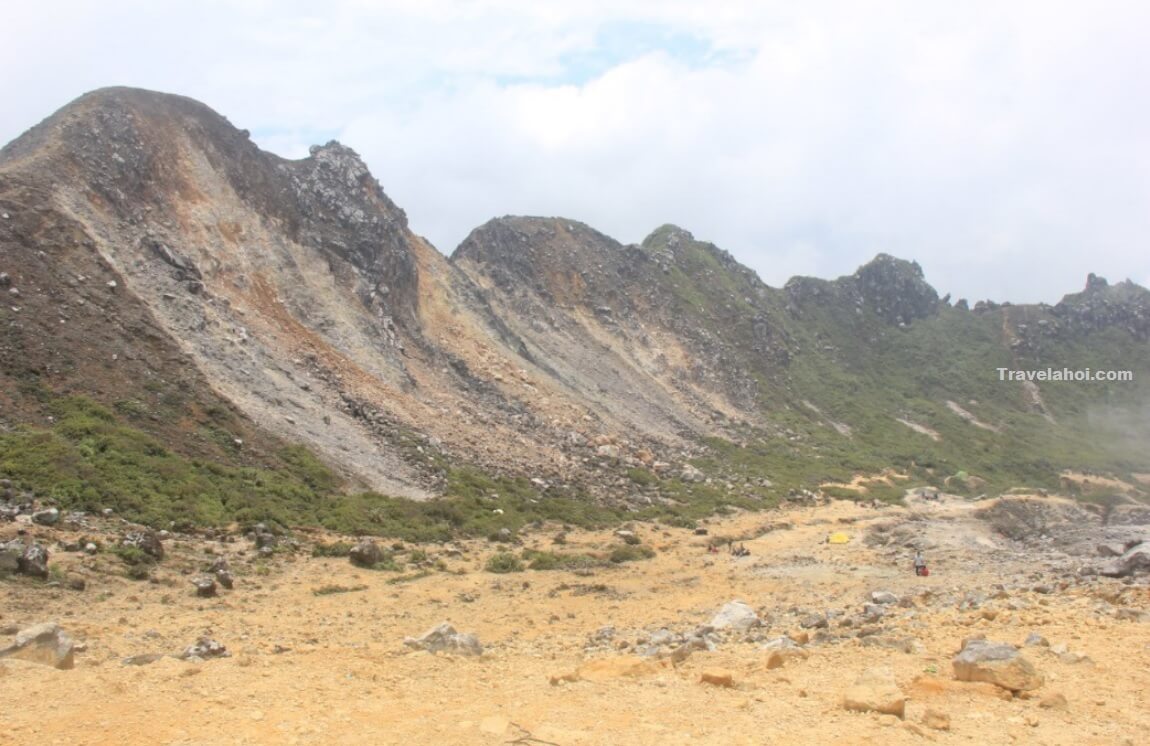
<point x="295" y="294"/>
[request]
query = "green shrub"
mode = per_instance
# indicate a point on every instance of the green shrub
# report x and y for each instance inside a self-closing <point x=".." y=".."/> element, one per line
<point x="503" y="562"/>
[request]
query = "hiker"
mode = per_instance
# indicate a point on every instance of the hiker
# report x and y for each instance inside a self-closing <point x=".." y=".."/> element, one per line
<point x="920" y="563"/>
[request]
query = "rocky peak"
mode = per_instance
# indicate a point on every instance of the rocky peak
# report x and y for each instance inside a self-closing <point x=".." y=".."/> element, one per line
<point x="341" y="209"/>
<point x="1125" y="305"/>
<point x="892" y="288"/>
<point x="148" y="158"/>
<point x="895" y="289"/>
<point x="560" y="260"/>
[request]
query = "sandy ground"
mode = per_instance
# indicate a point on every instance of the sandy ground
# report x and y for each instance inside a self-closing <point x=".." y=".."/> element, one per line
<point x="311" y="669"/>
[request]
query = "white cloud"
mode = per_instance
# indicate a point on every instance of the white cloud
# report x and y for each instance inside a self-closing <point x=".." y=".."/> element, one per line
<point x="1002" y="145"/>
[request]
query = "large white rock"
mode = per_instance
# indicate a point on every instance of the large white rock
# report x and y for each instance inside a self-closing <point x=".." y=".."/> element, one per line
<point x="736" y="616"/>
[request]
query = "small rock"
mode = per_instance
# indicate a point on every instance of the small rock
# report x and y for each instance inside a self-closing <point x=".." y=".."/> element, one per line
<point x="883" y="597"/>
<point x="876" y="691"/>
<point x="204" y="649"/>
<point x="814" y="621"/>
<point x="1054" y="701"/>
<point x="718" y="678"/>
<point x="1036" y="640"/>
<point x="781" y="650"/>
<point x="936" y="720"/>
<point x="142" y="660"/>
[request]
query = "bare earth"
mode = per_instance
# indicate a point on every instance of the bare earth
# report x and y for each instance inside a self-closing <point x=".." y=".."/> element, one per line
<point x="313" y="669"/>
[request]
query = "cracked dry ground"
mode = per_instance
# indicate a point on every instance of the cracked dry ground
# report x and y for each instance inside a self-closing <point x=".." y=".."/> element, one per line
<point x="309" y="668"/>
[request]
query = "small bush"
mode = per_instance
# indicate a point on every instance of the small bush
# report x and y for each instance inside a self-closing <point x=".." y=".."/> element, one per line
<point x="134" y="556"/>
<point x="631" y="554"/>
<point x="338" y="549"/>
<point x="504" y="562"/>
<point x="641" y="477"/>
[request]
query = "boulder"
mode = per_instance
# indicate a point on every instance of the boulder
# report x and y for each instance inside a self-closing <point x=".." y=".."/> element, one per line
<point x="43" y="643"/>
<point x="46" y="517"/>
<point x="1135" y="559"/>
<point x="997" y="663"/>
<point x="444" y="638"/>
<point x="33" y="561"/>
<point x="883" y="597"/>
<point x="876" y="691"/>
<point x="365" y="554"/>
<point x="205" y="586"/>
<point x="736" y="616"/>
<point x="223" y="573"/>
<point x="147" y="542"/>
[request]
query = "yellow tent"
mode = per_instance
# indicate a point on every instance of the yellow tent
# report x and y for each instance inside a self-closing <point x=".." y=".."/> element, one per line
<point x="838" y="538"/>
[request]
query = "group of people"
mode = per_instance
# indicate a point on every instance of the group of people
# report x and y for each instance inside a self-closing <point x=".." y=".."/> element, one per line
<point x="735" y="551"/>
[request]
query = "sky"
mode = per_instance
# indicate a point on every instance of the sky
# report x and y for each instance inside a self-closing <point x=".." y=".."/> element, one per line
<point x="1005" y="146"/>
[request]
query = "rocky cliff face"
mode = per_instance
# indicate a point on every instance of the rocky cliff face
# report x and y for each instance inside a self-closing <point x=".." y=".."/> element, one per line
<point x="152" y="253"/>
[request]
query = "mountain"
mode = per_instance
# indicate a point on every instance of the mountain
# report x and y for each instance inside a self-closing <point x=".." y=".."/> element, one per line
<point x="196" y="329"/>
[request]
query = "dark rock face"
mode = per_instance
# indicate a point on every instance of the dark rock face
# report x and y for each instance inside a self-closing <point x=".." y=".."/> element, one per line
<point x="340" y="208"/>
